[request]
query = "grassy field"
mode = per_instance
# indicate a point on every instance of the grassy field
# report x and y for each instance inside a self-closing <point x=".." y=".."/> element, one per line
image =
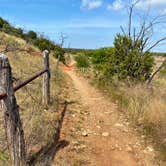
<point x="39" y="124"/>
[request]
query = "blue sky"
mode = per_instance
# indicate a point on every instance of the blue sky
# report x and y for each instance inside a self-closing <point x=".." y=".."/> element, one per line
<point x="86" y="23"/>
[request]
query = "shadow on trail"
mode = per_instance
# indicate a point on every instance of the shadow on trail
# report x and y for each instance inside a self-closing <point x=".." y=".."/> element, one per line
<point x="47" y="153"/>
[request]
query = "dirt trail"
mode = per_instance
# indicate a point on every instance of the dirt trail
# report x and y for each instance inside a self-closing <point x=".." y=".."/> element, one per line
<point x="104" y="137"/>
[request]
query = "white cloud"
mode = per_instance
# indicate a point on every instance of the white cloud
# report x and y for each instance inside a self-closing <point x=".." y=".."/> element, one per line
<point x="144" y="4"/>
<point x="116" y="5"/>
<point x="91" y="4"/>
<point x="163" y="11"/>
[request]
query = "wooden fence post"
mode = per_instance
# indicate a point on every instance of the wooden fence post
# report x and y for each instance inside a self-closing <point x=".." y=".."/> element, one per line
<point x="13" y="125"/>
<point x="46" y="79"/>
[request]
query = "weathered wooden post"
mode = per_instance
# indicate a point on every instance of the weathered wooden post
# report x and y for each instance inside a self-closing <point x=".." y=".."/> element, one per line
<point x="46" y="79"/>
<point x="13" y="125"/>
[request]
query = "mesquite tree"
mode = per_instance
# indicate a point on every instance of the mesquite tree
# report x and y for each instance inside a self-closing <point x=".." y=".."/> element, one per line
<point x="132" y="56"/>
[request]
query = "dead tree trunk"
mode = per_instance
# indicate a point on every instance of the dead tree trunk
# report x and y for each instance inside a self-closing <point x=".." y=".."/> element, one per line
<point x="13" y="125"/>
<point x="157" y="71"/>
<point x="46" y="79"/>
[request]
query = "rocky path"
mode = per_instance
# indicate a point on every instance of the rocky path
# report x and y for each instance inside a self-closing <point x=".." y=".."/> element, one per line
<point x="97" y="132"/>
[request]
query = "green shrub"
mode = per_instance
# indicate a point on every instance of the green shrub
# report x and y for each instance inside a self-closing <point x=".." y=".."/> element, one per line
<point x="128" y="61"/>
<point x="59" y="53"/>
<point x="82" y="61"/>
<point x="31" y="36"/>
<point x="125" y="61"/>
<point x="43" y="44"/>
<point x="2" y="22"/>
<point x="100" y="59"/>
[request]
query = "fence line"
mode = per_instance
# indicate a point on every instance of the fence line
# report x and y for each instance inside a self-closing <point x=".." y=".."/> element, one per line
<point x="8" y="103"/>
<point x="22" y="84"/>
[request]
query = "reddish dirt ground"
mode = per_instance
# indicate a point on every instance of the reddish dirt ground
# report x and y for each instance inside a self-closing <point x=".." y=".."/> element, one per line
<point x="98" y="134"/>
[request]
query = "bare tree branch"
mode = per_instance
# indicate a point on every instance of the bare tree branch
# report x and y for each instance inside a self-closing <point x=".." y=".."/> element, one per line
<point x="62" y="39"/>
<point x="122" y="29"/>
<point x="154" y="74"/>
<point x="156" y="43"/>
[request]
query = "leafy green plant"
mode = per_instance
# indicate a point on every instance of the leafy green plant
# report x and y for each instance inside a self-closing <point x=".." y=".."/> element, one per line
<point x="129" y="61"/>
<point x="100" y="59"/>
<point x="59" y="53"/>
<point x="82" y="61"/>
<point x="43" y="44"/>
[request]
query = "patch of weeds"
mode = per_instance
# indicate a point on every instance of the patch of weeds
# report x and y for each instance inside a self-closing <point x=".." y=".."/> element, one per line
<point x="148" y="129"/>
<point x="72" y="112"/>
<point x="78" y="127"/>
<point x="80" y="162"/>
<point x="4" y="158"/>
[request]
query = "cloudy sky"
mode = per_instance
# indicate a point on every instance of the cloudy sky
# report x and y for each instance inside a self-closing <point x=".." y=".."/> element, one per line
<point x="86" y="23"/>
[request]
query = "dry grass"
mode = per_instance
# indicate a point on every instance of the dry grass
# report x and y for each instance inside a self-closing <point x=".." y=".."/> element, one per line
<point x="146" y="108"/>
<point x="39" y="124"/>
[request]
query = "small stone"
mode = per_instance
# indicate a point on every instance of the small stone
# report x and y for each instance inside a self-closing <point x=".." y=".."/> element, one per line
<point x="129" y="149"/>
<point x="125" y="130"/>
<point x="99" y="127"/>
<point x="82" y="146"/>
<point x="117" y="146"/>
<point x="85" y="134"/>
<point x="75" y="142"/>
<point x="149" y="149"/>
<point x="105" y="134"/>
<point x="119" y="125"/>
<point x="107" y="112"/>
<point x="73" y="115"/>
<point x="143" y="136"/>
<point x="112" y="148"/>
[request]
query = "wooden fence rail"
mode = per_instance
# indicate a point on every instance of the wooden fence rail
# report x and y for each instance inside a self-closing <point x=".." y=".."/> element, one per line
<point x="8" y="104"/>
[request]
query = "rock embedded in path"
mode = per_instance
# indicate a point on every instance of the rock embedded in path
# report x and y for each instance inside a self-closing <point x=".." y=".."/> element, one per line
<point x="105" y="134"/>
<point x="122" y="127"/>
<point x="84" y="133"/>
<point x="129" y="149"/>
<point x="149" y="149"/>
<point x="99" y="127"/>
<point x="73" y="115"/>
<point x="119" y="125"/>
